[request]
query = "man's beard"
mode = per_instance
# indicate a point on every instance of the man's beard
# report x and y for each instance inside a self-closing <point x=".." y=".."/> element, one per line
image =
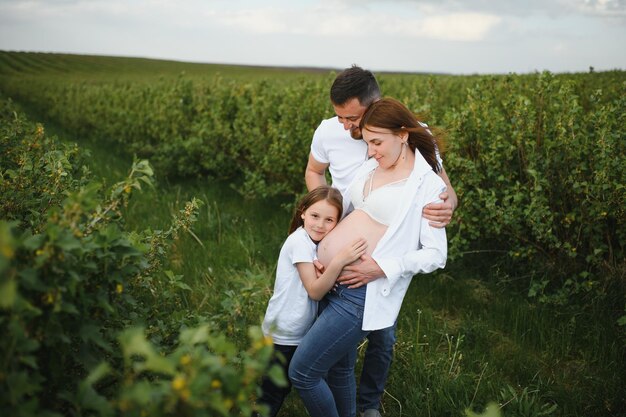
<point x="356" y="133"/>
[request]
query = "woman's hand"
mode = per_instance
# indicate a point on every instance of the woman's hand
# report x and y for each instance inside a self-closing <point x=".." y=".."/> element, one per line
<point x="361" y="273"/>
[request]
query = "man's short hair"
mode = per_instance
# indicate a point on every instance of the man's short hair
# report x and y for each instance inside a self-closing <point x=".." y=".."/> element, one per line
<point x="354" y="82"/>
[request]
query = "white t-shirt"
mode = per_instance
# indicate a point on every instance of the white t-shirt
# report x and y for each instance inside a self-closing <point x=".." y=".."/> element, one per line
<point x="290" y="312"/>
<point x="333" y="145"/>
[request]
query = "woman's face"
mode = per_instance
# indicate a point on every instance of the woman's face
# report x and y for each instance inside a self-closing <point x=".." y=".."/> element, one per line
<point x="383" y="145"/>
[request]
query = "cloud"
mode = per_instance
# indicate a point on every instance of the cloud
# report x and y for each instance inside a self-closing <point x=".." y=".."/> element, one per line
<point x="602" y="8"/>
<point x="466" y="27"/>
<point x="470" y="27"/>
<point x="597" y="8"/>
<point x="106" y="9"/>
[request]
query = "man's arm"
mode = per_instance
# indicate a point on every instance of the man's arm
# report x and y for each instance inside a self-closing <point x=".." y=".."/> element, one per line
<point x="315" y="173"/>
<point x="440" y="214"/>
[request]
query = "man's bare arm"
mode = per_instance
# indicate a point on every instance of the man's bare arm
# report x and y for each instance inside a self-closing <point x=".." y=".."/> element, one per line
<point x="315" y="173"/>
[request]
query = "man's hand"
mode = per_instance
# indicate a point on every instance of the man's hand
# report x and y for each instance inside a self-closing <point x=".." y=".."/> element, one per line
<point x="439" y="214"/>
<point x="360" y="274"/>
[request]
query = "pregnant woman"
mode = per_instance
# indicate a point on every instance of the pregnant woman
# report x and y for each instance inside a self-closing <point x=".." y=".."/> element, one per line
<point x="388" y="195"/>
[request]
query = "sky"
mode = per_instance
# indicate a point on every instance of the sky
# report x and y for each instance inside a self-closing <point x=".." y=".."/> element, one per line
<point x="445" y="36"/>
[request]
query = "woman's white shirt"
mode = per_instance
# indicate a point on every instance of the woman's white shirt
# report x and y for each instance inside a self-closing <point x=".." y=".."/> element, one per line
<point x="409" y="246"/>
<point x="290" y="312"/>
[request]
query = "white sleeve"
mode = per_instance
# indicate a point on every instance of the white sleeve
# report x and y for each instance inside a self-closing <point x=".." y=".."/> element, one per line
<point x="431" y="254"/>
<point x="301" y="250"/>
<point x="317" y="146"/>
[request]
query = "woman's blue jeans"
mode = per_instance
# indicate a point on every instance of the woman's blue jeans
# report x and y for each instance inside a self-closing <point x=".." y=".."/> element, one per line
<point x="322" y="369"/>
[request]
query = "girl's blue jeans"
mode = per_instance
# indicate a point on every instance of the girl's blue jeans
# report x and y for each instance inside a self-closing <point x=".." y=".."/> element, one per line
<point x="273" y="395"/>
<point x="322" y="369"/>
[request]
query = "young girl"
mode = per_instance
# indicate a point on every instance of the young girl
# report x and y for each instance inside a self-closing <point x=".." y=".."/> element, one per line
<point x="293" y="307"/>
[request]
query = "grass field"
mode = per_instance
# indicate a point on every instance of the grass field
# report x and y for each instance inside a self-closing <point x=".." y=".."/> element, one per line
<point x="467" y="335"/>
<point x="136" y="69"/>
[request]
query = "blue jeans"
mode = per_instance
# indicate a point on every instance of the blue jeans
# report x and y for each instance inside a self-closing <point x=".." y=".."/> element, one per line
<point x="273" y="396"/>
<point x="376" y="364"/>
<point x="329" y="351"/>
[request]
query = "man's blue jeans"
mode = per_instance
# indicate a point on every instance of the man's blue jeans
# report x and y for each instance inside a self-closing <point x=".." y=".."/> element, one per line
<point x="376" y="364"/>
<point x="329" y="351"/>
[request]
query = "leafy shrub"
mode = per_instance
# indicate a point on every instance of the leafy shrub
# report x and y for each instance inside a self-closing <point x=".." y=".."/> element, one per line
<point x="72" y="278"/>
<point x="206" y="375"/>
<point x="542" y="180"/>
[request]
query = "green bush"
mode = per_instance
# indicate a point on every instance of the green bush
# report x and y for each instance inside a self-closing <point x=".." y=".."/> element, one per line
<point x="74" y="284"/>
<point x="542" y="180"/>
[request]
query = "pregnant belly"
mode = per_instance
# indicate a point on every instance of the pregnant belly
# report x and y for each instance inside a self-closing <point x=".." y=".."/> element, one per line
<point x="357" y="224"/>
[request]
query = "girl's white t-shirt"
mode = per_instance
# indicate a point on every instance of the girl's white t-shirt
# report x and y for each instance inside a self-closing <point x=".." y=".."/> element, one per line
<point x="290" y="312"/>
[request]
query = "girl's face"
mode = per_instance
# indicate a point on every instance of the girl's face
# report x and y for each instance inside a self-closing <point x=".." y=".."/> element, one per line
<point x="383" y="145"/>
<point x="319" y="219"/>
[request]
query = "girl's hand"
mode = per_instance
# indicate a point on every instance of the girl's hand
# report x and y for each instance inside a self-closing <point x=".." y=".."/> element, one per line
<point x="352" y="252"/>
<point x="319" y="268"/>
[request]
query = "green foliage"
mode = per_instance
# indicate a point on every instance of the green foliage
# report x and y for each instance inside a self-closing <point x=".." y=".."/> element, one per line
<point x="516" y="404"/>
<point x="36" y="171"/>
<point x="492" y="410"/>
<point x="463" y="343"/>
<point x="72" y="278"/>
<point x="542" y="178"/>
<point x="202" y="377"/>
<point x="525" y="402"/>
<point x="141" y="70"/>
<point x="243" y="301"/>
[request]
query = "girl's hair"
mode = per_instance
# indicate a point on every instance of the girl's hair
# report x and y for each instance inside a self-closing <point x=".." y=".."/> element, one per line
<point x="390" y="114"/>
<point x="323" y="192"/>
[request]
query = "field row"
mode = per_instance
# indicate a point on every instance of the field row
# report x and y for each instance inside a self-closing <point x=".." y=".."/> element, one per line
<point x="537" y="160"/>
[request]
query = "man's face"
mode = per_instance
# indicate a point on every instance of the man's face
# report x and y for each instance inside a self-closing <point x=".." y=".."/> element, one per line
<point x="349" y="115"/>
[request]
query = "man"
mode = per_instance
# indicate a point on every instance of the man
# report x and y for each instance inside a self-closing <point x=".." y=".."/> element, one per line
<point x="337" y="146"/>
